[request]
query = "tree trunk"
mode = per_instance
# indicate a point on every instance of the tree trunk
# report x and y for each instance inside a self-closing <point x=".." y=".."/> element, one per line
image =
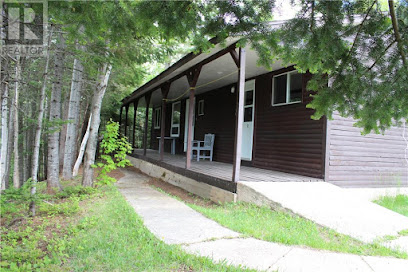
<point x="37" y="139"/>
<point x="10" y="145"/>
<point x="73" y="117"/>
<point x="53" y="182"/>
<point x="82" y="149"/>
<point x="4" y="128"/>
<point x="87" y="179"/>
<point x="63" y="132"/>
<point x="16" y="168"/>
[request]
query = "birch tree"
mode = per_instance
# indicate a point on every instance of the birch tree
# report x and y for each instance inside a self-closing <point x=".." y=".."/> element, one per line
<point x="38" y="129"/>
<point x="55" y="116"/>
<point x="4" y="126"/>
<point x="16" y="168"/>
<point x="82" y="148"/>
<point x="90" y="151"/>
<point x="73" y="118"/>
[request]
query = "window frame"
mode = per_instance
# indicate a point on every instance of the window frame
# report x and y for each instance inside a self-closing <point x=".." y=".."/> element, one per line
<point x="172" y="124"/>
<point x="287" y="89"/>
<point x="157" y="123"/>
<point x="200" y="109"/>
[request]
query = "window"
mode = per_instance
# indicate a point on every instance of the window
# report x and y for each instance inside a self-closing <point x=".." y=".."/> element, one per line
<point x="157" y="118"/>
<point x="200" y="107"/>
<point x="287" y="88"/>
<point x="175" y="119"/>
<point x="248" y="105"/>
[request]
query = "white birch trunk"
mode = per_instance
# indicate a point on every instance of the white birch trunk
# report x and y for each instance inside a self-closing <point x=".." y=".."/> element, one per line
<point x="63" y="132"/>
<point x="10" y="145"/>
<point x="55" y="116"/>
<point x="4" y="135"/>
<point x="90" y="151"/>
<point x="82" y="149"/>
<point x="16" y="168"/>
<point x="37" y="139"/>
<point x="73" y="117"/>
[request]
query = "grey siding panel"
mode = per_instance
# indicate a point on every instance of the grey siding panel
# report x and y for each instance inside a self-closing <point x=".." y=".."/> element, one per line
<point x="371" y="160"/>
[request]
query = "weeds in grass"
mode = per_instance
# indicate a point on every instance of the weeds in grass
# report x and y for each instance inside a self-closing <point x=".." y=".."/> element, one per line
<point x="397" y="203"/>
<point x="281" y="227"/>
<point x="37" y="243"/>
<point x="403" y="232"/>
<point x="274" y="226"/>
<point x="82" y="229"/>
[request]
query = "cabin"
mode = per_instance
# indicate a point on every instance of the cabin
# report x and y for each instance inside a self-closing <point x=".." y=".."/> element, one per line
<point x="263" y="129"/>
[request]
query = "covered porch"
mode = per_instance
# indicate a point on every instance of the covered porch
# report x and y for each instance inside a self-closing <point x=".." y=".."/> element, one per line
<point x="218" y="174"/>
<point x="213" y="93"/>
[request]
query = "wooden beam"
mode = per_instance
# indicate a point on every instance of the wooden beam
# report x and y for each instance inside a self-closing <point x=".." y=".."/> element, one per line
<point x="165" y="92"/>
<point x="215" y="56"/>
<point x="235" y="56"/>
<point x="147" y="99"/>
<point x="126" y="118"/>
<point x="192" y="80"/>
<point x="239" y="117"/>
<point x="134" y="121"/>
<point x="120" y="118"/>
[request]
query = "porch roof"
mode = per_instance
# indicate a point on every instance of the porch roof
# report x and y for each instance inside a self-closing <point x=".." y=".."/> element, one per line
<point x="218" y="70"/>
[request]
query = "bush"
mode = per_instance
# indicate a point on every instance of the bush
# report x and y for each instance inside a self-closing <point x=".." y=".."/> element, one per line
<point x="114" y="148"/>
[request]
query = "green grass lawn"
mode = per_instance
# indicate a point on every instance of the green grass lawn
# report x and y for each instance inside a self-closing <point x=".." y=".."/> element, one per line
<point x="266" y="224"/>
<point x="85" y="230"/>
<point x="397" y="204"/>
<point x="275" y="226"/>
<point x="118" y="241"/>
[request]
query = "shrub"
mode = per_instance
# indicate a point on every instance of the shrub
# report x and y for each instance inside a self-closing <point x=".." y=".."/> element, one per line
<point x="113" y="148"/>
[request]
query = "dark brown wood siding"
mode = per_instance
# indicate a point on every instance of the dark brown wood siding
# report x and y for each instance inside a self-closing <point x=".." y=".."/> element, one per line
<point x="370" y="160"/>
<point x="286" y="138"/>
<point x="219" y="119"/>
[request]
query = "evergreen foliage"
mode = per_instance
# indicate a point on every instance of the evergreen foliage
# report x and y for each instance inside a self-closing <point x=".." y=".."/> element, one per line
<point x="357" y="52"/>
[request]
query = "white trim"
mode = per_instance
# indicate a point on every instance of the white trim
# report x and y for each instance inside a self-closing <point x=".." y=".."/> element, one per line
<point x="250" y="85"/>
<point x="186" y="122"/>
<point x="287" y="89"/>
<point x="175" y="125"/>
<point x="201" y="102"/>
<point x="157" y="125"/>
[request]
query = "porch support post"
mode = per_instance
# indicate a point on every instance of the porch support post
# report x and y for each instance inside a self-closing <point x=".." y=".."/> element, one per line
<point x="147" y="99"/>
<point x="192" y="78"/>
<point x="126" y="119"/>
<point x="165" y="91"/>
<point x="134" y="121"/>
<point x="120" y="118"/>
<point x="239" y="117"/>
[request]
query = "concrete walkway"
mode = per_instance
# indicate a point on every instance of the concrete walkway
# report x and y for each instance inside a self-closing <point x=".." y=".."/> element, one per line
<point x="175" y="223"/>
<point x="329" y="206"/>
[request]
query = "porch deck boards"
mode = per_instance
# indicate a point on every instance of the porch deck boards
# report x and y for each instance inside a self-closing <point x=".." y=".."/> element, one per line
<point x="224" y="170"/>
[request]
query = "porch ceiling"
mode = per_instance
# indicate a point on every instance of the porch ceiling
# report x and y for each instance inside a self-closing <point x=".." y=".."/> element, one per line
<point x="215" y="74"/>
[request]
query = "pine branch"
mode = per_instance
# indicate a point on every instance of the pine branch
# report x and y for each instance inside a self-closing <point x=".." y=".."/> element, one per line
<point x="385" y="51"/>
<point x="396" y="33"/>
<point x="360" y="29"/>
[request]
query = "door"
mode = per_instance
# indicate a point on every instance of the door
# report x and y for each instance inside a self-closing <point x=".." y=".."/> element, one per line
<point x="248" y="122"/>
<point x="186" y="123"/>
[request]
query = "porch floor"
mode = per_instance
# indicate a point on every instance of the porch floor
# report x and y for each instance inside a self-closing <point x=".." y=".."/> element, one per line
<point x="223" y="171"/>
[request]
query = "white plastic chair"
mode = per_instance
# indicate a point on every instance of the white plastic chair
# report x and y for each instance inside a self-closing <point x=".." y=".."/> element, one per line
<point x="204" y="149"/>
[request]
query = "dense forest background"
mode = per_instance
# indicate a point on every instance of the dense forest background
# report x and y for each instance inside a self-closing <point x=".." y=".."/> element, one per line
<point x="96" y="54"/>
